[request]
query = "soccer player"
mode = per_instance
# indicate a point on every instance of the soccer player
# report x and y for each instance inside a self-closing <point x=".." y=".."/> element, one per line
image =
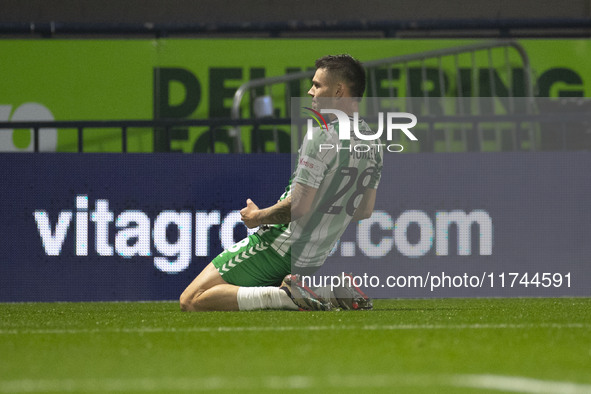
<point x="328" y="189"/>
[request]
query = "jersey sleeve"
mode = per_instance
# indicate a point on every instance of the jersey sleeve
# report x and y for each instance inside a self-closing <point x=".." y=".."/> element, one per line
<point x="312" y="162"/>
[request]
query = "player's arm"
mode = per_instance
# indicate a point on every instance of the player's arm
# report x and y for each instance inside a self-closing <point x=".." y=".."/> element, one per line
<point x="365" y="208"/>
<point x="291" y="208"/>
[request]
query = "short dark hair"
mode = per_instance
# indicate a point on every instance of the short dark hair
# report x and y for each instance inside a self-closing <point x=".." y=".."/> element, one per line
<point x="347" y="68"/>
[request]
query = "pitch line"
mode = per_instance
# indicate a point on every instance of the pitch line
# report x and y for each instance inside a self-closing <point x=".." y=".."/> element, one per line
<point x="225" y="329"/>
<point x="515" y="384"/>
<point x="521" y="384"/>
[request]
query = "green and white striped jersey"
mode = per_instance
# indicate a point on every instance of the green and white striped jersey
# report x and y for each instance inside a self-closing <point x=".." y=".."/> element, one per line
<point x="341" y="171"/>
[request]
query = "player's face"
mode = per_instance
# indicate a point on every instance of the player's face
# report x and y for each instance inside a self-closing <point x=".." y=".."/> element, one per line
<point x="322" y="86"/>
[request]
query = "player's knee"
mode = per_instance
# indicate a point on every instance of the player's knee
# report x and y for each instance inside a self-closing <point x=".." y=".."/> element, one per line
<point x="183" y="303"/>
<point x="186" y="301"/>
<point x="189" y="301"/>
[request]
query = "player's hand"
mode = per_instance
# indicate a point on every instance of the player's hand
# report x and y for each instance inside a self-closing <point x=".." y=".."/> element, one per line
<point x="250" y="214"/>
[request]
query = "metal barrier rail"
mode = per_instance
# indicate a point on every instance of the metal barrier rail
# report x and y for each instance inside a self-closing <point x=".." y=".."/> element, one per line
<point x="404" y="62"/>
<point x="165" y="124"/>
<point x="560" y="122"/>
<point x="262" y="82"/>
<point x="505" y="27"/>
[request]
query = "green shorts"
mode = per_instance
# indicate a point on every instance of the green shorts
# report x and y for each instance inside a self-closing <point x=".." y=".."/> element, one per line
<point x="252" y="262"/>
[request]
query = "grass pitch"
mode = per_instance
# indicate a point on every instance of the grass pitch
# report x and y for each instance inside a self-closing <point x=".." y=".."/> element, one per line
<point x="408" y="346"/>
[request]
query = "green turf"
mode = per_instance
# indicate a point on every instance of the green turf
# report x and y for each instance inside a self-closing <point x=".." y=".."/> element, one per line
<point x="408" y="346"/>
